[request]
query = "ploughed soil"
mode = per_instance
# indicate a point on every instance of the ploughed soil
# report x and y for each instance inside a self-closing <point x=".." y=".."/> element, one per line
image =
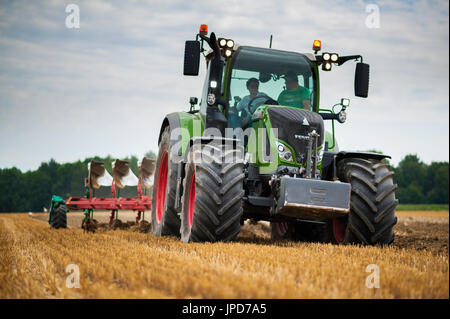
<point x="422" y="234"/>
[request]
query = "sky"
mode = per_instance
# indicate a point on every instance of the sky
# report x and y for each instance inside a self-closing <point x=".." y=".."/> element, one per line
<point x="104" y="88"/>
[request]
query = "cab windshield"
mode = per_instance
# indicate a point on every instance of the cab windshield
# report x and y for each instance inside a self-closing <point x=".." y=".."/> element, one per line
<point x="266" y="76"/>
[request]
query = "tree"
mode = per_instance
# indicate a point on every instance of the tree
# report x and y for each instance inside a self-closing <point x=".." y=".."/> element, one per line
<point x="151" y="155"/>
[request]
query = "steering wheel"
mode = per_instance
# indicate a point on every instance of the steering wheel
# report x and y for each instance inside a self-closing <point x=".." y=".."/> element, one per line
<point x="269" y="101"/>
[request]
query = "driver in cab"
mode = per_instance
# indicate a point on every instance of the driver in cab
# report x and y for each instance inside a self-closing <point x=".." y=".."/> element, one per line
<point x="294" y="95"/>
<point x="249" y="103"/>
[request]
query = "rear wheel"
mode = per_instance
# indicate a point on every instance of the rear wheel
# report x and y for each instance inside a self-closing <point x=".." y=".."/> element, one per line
<point x="372" y="203"/>
<point x="165" y="218"/>
<point x="282" y="230"/>
<point x="300" y="231"/>
<point x="59" y="217"/>
<point x="212" y="194"/>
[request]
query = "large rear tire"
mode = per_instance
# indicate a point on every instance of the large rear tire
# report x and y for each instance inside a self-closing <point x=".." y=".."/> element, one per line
<point x="212" y="194"/>
<point x="165" y="218"/>
<point x="372" y="203"/>
<point x="59" y="217"/>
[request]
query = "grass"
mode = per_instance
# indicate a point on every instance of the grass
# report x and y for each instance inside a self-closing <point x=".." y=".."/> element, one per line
<point x="431" y="207"/>
<point x="124" y="264"/>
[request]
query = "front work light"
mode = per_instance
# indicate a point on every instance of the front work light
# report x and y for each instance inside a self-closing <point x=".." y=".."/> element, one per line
<point x="326" y="56"/>
<point x="222" y="42"/>
<point x="334" y="57"/>
<point x="230" y="44"/>
<point x="345" y="102"/>
<point x="227" y="53"/>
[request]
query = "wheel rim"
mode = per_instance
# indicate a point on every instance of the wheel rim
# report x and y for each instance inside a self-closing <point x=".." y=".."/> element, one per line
<point x="191" y="201"/>
<point x="282" y="228"/>
<point x="161" y="187"/>
<point x="338" y="230"/>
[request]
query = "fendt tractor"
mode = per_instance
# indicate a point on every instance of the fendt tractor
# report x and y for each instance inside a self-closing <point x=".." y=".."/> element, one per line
<point x="256" y="149"/>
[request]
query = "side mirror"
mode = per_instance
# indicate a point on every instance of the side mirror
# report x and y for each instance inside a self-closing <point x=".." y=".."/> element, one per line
<point x="191" y="58"/>
<point x="362" y="79"/>
<point x="193" y="100"/>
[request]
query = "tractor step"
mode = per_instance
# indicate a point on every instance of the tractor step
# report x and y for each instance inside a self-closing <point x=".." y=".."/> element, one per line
<point x="313" y="199"/>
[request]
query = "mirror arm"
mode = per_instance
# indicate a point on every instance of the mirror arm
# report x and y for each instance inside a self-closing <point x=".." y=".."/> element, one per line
<point x="343" y="59"/>
<point x="212" y="42"/>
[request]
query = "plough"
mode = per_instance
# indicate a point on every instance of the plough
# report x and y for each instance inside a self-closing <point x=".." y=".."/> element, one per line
<point x="121" y="176"/>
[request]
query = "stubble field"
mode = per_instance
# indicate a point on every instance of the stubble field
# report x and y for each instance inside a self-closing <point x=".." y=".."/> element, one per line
<point x="128" y="264"/>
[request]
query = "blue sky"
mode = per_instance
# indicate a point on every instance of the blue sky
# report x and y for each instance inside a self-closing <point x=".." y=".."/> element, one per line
<point x="105" y="88"/>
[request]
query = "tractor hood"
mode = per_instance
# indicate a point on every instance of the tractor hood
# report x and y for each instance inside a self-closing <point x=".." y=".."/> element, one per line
<point x="293" y="124"/>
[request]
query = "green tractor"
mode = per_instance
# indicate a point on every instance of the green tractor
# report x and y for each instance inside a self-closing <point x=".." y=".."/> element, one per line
<point x="263" y="154"/>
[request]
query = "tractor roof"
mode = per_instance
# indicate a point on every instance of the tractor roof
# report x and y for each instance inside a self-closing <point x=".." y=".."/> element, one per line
<point x="268" y="54"/>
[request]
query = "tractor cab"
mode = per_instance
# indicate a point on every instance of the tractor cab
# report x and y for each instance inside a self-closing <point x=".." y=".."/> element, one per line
<point x="253" y="76"/>
<point x="258" y="76"/>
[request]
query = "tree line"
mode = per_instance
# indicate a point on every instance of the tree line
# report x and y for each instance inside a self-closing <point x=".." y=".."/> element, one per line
<point x="418" y="183"/>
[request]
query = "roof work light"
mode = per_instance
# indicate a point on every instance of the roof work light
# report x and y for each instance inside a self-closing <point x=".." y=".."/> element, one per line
<point x="327" y="59"/>
<point x="227" y="46"/>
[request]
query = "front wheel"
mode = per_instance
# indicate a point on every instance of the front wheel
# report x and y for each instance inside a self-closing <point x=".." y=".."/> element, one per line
<point x="212" y="194"/>
<point x="372" y="203"/>
<point x="165" y="218"/>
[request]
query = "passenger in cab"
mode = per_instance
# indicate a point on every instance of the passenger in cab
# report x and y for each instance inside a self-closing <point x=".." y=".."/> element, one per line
<point x="295" y="95"/>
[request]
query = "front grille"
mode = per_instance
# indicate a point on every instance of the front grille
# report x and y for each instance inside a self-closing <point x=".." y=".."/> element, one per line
<point x="290" y="122"/>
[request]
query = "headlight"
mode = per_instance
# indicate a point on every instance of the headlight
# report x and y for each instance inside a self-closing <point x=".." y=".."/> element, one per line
<point x="280" y="148"/>
<point x="284" y="152"/>
<point x="287" y="156"/>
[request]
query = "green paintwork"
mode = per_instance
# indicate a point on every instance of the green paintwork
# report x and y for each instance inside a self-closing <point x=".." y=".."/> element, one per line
<point x="191" y="125"/>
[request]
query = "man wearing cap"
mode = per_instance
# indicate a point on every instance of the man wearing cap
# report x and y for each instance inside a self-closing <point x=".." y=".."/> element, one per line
<point x="294" y="95"/>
